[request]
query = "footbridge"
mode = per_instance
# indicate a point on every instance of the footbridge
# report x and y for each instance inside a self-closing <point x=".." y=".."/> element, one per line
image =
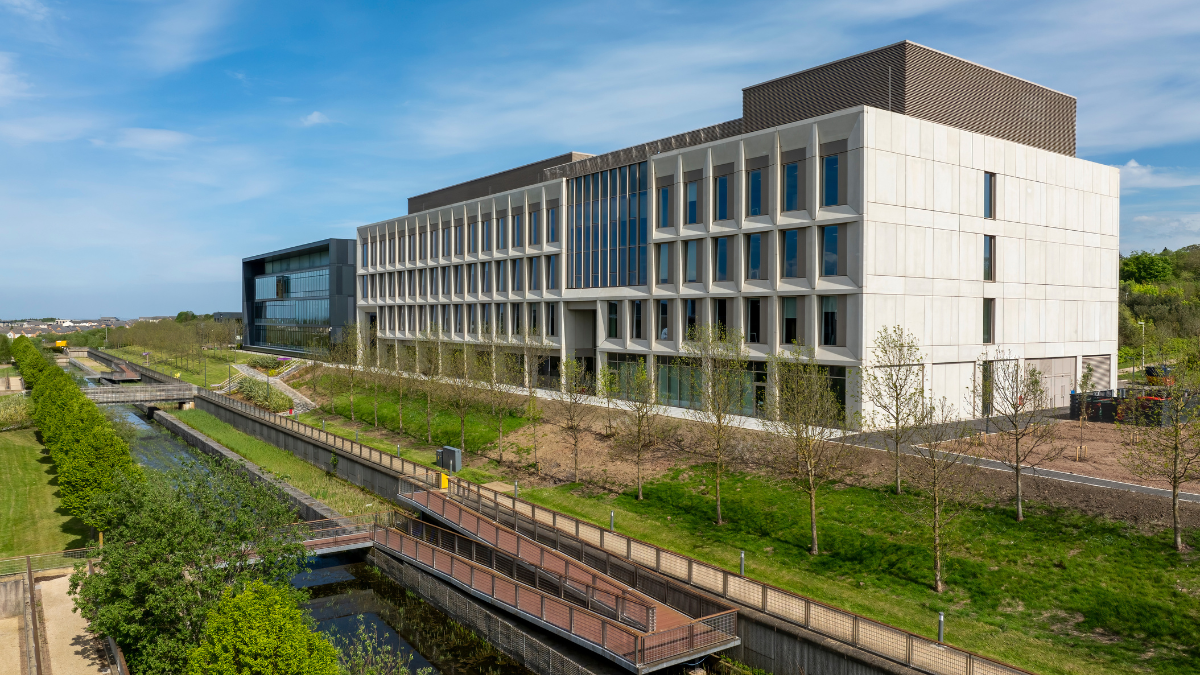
<point x="155" y="393"/>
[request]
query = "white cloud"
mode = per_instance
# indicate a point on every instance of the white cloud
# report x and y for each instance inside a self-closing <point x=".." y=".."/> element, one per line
<point x="1153" y="231"/>
<point x="12" y="84"/>
<point x="314" y="118"/>
<point x="48" y="129"/>
<point x="30" y="9"/>
<point x="1134" y="176"/>
<point x="154" y="140"/>
<point x="182" y="33"/>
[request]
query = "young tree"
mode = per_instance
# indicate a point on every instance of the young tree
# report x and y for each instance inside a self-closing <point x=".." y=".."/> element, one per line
<point x="643" y="431"/>
<point x="261" y="630"/>
<point x="428" y="370"/>
<point x="1015" y="402"/>
<point x="498" y="370"/>
<point x="535" y="353"/>
<point x="1161" y="440"/>
<point x="1085" y="386"/>
<point x="947" y="482"/>
<point x="608" y="387"/>
<point x="459" y="390"/>
<point x="720" y="379"/>
<point x="403" y="365"/>
<point x="807" y="421"/>
<point x="574" y="413"/>
<point x="893" y="384"/>
<point x="347" y="354"/>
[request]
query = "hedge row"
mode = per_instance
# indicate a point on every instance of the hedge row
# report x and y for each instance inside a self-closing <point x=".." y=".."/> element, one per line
<point x="88" y="455"/>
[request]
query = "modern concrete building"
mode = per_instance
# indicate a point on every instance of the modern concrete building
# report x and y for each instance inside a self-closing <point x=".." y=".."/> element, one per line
<point x="296" y="300"/>
<point x="900" y="186"/>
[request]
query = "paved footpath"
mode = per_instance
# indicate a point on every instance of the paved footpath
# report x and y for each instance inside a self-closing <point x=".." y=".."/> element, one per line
<point x="10" y="644"/>
<point x="73" y="649"/>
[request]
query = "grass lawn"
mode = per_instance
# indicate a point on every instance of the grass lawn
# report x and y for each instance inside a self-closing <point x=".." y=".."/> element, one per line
<point x="481" y="426"/>
<point x="191" y="372"/>
<point x="31" y="517"/>
<point x="344" y="497"/>
<point x="1059" y="593"/>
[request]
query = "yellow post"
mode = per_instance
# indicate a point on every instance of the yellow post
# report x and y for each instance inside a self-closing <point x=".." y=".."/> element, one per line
<point x="444" y="481"/>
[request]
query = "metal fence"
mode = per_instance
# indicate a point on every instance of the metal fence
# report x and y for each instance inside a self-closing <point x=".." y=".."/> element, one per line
<point x="144" y="394"/>
<point x="46" y="561"/>
<point x="846" y="627"/>
<point x="619" y="642"/>
<point x="535" y="566"/>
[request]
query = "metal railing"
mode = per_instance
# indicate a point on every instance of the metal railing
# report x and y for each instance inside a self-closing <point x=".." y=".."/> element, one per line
<point x="878" y="638"/>
<point x="621" y="643"/>
<point x="46" y="561"/>
<point x="547" y="525"/>
<point x="146" y="394"/>
<point x="534" y="566"/>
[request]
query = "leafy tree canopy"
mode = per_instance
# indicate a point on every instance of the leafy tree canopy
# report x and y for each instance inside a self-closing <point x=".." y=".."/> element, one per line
<point x="261" y="630"/>
<point x="1144" y="268"/>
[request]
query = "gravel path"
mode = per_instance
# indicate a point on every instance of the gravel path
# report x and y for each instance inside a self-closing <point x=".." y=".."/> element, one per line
<point x="73" y="649"/>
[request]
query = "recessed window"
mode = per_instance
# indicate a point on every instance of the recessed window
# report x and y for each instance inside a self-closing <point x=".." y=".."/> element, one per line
<point x="720" y="313"/>
<point x="664" y="320"/>
<point x="692" y="202"/>
<point x="533" y="318"/>
<point x="473" y="278"/>
<point x="690" y="316"/>
<point x="637" y="319"/>
<point x="501" y="326"/>
<point x="516" y="230"/>
<point x="535" y="235"/>
<point x="517" y="273"/>
<point x="830" y="261"/>
<point x="516" y="318"/>
<point x="792" y="188"/>
<point x="721" y="197"/>
<point x="664" y="206"/>
<point x="754" y="258"/>
<point x="487" y="235"/>
<point x="534" y="279"/>
<point x="458" y="278"/>
<point x="989" y="195"/>
<point x="989" y="321"/>
<point x="551" y="319"/>
<point x="753" y="320"/>
<point x="664" y="263"/>
<point x="485" y="318"/>
<point x="614" y="320"/>
<point x="791" y="254"/>
<point x="472" y="238"/>
<point x="552" y="271"/>
<point x="791" y="321"/>
<point x="833" y="179"/>
<point x="754" y="192"/>
<point x="989" y="257"/>
<point x="458" y="318"/>
<point x="721" y="259"/>
<point x="458" y="240"/>
<point x="501" y="276"/>
<point x="691" y="257"/>
<point x="552" y="225"/>
<point x="487" y="277"/>
<point x="501" y="234"/>
<point x="446" y="241"/>
<point x="829" y="320"/>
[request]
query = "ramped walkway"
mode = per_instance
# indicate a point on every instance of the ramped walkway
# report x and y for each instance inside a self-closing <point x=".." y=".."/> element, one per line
<point x="303" y="404"/>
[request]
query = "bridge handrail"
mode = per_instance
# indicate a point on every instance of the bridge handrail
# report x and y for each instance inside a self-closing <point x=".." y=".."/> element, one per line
<point x="887" y="641"/>
<point x="562" y="572"/>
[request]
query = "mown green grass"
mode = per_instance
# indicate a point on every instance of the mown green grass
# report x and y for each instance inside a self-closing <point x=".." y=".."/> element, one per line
<point x="190" y="372"/>
<point x="480" y="425"/>
<point x="342" y="496"/>
<point x="32" y="519"/>
<point x="1059" y="593"/>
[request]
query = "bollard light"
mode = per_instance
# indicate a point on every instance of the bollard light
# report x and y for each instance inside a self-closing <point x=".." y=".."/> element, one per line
<point x="516" y="490"/>
<point x="612" y="521"/>
<point x="743" y="563"/>
<point x="941" y="627"/>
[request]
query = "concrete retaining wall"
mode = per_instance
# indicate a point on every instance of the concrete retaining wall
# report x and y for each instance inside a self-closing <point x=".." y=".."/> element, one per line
<point x="529" y="645"/>
<point x="12" y="597"/>
<point x="381" y="481"/>
<point x="309" y="508"/>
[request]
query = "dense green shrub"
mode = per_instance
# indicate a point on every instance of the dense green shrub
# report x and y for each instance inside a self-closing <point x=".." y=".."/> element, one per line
<point x="87" y="452"/>
<point x="263" y="361"/>
<point x="15" y="412"/>
<point x="264" y="396"/>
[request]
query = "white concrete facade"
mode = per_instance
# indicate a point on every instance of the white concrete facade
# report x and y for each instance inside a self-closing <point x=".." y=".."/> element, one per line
<point x="911" y="233"/>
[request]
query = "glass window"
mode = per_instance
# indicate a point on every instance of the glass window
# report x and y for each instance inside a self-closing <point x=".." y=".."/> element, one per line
<point x="989" y="195"/>
<point x="721" y="195"/>
<point x="606" y="225"/>
<point x="664" y="320"/>
<point x="989" y="311"/>
<point x="501" y="234"/>
<point x="721" y="259"/>
<point x="551" y="319"/>
<point x="486" y="275"/>
<point x="516" y="318"/>
<point x="501" y="326"/>
<point x="692" y="252"/>
<point x="690" y="318"/>
<point x="535" y="282"/>
<point x="791" y="187"/>
<point x="412" y="247"/>
<point x="791" y="254"/>
<point x="486" y="229"/>
<point x="754" y="190"/>
<point x="721" y="313"/>
<point x="989" y="253"/>
<point x="458" y="278"/>
<point x="446" y="241"/>
<point x="471" y="319"/>
<point x="552" y="225"/>
<point x="664" y="263"/>
<point x="754" y="320"/>
<point x="790" y="324"/>
<point x="533" y="317"/>
<point x="829" y="319"/>
<point x="831" y="190"/>
<point x="517" y="274"/>
<point x="516" y="229"/>
<point x="458" y="240"/>
<point x="754" y="257"/>
<point x="552" y="271"/>
<point x="664" y="206"/>
<point x="613" y="320"/>
<point x="829" y="251"/>
<point x="637" y="319"/>
<point x="535" y="236"/>
<point x="458" y="318"/>
<point x="693" y="205"/>
<point x="501" y="275"/>
<point x="364" y="254"/>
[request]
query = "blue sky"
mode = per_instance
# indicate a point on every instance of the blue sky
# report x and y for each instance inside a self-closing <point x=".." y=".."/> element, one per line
<point x="146" y="147"/>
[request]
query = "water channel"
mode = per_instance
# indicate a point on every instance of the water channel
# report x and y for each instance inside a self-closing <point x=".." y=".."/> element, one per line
<point x="347" y="593"/>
